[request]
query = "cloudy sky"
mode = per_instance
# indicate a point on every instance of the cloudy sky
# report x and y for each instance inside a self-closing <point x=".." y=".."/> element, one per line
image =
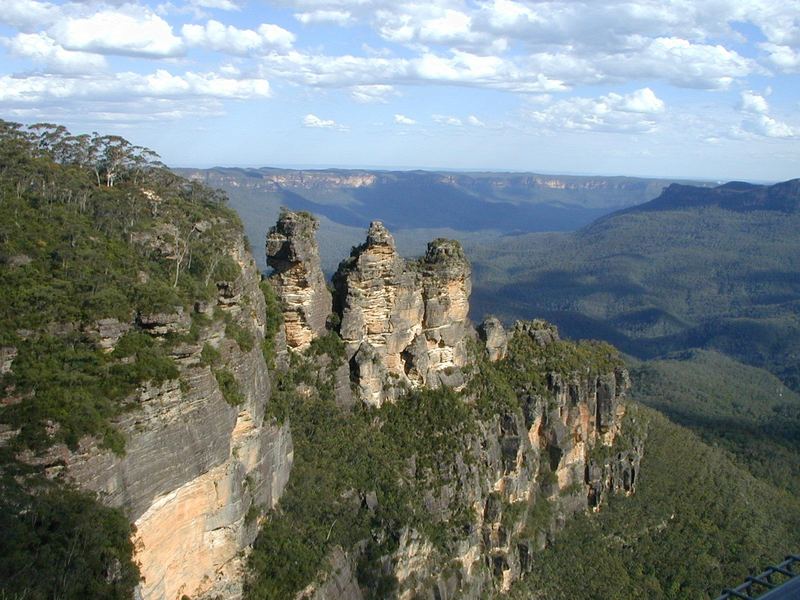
<point x="682" y="88"/>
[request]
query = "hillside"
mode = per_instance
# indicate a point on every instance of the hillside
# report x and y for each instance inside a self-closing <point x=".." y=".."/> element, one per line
<point x="694" y="268"/>
<point x="173" y="425"/>
<point x="132" y="378"/>
<point x="742" y="409"/>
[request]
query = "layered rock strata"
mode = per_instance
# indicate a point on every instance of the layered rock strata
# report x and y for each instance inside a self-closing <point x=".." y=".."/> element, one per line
<point x="293" y="253"/>
<point x="522" y="473"/>
<point x="404" y="324"/>
<point x="197" y="472"/>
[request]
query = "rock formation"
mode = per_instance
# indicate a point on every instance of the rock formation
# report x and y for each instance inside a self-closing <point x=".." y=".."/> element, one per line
<point x="403" y="324"/>
<point x="523" y="473"/>
<point x="293" y="253"/>
<point x="380" y="303"/>
<point x="197" y="472"/>
<point x="494" y="337"/>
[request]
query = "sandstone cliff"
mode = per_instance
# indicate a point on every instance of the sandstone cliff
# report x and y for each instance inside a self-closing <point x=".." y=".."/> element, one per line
<point x="197" y="471"/>
<point x="523" y="458"/>
<point x="403" y="324"/>
<point x="293" y="254"/>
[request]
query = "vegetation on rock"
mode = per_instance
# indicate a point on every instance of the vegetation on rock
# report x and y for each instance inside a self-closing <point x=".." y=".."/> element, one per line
<point x="398" y="455"/>
<point x="104" y="255"/>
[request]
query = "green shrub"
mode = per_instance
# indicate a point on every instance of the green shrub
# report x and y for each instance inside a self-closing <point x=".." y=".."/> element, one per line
<point x="227" y="269"/>
<point x="209" y="356"/>
<point x="242" y="337"/>
<point x="229" y="387"/>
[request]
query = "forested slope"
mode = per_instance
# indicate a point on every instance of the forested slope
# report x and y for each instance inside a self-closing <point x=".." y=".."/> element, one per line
<point x="694" y="268"/>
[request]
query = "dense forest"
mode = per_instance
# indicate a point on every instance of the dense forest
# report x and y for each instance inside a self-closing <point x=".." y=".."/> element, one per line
<point x="697" y="268"/>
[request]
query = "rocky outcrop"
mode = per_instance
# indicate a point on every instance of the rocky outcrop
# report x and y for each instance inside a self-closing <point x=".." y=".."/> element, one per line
<point x="293" y="254"/>
<point x="107" y="332"/>
<point x="381" y="307"/>
<point x="197" y="472"/>
<point x="524" y="474"/>
<point x="404" y="324"/>
<point x="494" y="338"/>
<point x="7" y="356"/>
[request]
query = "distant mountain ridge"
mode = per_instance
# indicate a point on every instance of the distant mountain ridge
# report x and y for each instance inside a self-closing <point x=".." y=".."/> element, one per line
<point x="735" y="195"/>
<point x="505" y="202"/>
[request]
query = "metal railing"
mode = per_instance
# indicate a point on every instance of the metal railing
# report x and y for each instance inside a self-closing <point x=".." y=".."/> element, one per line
<point x="763" y="584"/>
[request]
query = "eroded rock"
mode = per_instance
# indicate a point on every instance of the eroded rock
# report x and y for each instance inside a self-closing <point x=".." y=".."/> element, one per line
<point x="293" y="253"/>
<point x="403" y="324"/>
<point x="494" y="337"/>
<point x="197" y="472"/>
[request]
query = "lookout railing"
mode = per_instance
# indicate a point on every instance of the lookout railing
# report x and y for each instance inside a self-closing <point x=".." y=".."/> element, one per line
<point x="780" y="582"/>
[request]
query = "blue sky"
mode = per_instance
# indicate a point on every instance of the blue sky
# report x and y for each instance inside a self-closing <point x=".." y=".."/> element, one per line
<point x="681" y="88"/>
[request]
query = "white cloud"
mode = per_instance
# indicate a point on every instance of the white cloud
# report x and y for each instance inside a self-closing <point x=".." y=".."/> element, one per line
<point x="642" y="101"/>
<point x="404" y="120"/>
<point x="372" y="94"/>
<point x="41" y="49"/>
<point x="276" y="36"/>
<point x="475" y="121"/>
<point x="679" y="62"/>
<point x="29" y="15"/>
<point x="754" y="103"/>
<point x="16" y="91"/>
<point x="636" y="112"/>
<point x="313" y="121"/>
<point x="576" y="41"/>
<point x="229" y="39"/>
<point x="758" y="122"/>
<point x="339" y="17"/>
<point x="131" y="31"/>
<point x="218" y="4"/>
<point x="784" y="58"/>
<point x="335" y="71"/>
<point x="447" y="120"/>
<point x="460" y="68"/>
<point x="760" y="126"/>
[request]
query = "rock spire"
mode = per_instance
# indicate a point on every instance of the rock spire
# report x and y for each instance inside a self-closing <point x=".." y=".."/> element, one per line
<point x="293" y="253"/>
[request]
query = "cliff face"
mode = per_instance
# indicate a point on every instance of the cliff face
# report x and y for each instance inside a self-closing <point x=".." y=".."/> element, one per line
<point x="403" y="324"/>
<point x="521" y="466"/>
<point x="563" y="447"/>
<point x="293" y="253"/>
<point x="197" y="471"/>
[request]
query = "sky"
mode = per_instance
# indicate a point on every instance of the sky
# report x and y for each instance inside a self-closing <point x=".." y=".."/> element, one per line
<point x="706" y="89"/>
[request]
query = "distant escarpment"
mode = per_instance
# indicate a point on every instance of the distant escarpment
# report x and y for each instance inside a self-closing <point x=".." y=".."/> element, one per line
<point x="467" y="451"/>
